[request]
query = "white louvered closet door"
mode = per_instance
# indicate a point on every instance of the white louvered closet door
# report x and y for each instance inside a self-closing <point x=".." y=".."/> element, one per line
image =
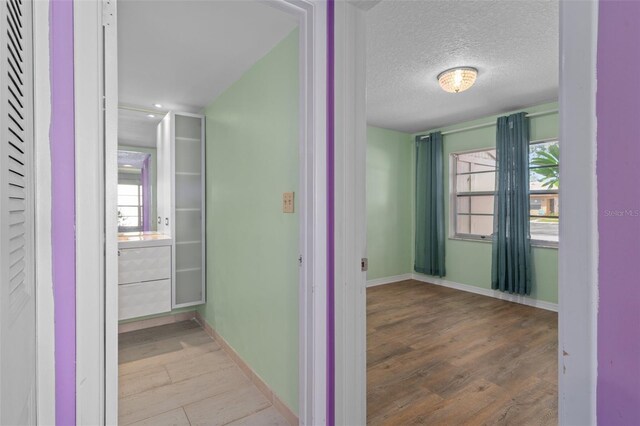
<point x="17" y="260"/>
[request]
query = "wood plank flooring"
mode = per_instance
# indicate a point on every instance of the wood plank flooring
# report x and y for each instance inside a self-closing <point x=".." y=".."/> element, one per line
<point x="439" y="356"/>
<point x="176" y="374"/>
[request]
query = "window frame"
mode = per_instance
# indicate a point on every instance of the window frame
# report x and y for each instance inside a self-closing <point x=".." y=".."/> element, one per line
<point x="140" y="206"/>
<point x="453" y="199"/>
<point x="545" y="243"/>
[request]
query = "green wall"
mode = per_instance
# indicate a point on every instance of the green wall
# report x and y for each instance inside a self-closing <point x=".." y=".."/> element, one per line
<point x="469" y="262"/>
<point x="252" y="246"/>
<point x="389" y="247"/>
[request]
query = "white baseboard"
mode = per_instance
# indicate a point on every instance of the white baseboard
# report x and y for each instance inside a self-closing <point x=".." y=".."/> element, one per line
<point x="523" y="300"/>
<point x="389" y="280"/>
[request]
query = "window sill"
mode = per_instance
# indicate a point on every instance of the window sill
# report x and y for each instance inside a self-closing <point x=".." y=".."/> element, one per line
<point x="544" y="244"/>
<point x="470" y="239"/>
<point x="534" y="243"/>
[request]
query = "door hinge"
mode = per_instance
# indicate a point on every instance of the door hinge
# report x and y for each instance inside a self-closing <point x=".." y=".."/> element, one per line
<point x="108" y="12"/>
<point x="300" y="260"/>
<point x="364" y="264"/>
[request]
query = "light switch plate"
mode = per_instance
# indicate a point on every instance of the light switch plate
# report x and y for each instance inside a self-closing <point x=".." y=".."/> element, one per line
<point x="287" y="202"/>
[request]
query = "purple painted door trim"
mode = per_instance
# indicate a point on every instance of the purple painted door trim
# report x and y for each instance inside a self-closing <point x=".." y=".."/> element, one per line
<point x="330" y="217"/>
<point x="618" y="109"/>
<point x="62" y="143"/>
<point x="63" y="209"/>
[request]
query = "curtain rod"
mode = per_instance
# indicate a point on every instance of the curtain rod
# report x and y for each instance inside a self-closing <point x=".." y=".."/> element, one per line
<point x="489" y="124"/>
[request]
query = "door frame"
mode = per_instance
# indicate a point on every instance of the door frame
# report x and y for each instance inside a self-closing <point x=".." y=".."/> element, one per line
<point x="578" y="248"/>
<point x="578" y="285"/>
<point x="95" y="27"/>
<point x="350" y="211"/>
<point x="45" y="329"/>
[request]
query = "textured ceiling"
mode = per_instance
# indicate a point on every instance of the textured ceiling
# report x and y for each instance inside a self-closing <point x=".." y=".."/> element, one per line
<point x="184" y="53"/>
<point x="513" y="44"/>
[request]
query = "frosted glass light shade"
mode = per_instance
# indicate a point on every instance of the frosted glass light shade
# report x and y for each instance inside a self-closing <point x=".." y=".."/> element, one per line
<point x="457" y="80"/>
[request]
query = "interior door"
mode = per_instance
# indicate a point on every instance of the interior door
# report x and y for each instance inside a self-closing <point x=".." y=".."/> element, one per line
<point x="17" y="260"/>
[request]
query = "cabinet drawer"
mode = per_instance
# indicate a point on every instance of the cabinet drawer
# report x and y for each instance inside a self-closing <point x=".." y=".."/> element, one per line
<point x="144" y="264"/>
<point x="140" y="299"/>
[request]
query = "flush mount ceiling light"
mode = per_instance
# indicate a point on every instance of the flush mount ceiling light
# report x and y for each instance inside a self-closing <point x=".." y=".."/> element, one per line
<point x="151" y="116"/>
<point x="458" y="79"/>
<point x="157" y="105"/>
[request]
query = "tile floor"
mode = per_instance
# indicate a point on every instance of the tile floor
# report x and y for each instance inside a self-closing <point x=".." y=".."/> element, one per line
<point x="176" y="374"/>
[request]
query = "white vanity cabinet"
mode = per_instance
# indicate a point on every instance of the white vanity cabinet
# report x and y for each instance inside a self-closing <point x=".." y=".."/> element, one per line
<point x="144" y="264"/>
<point x="181" y="203"/>
<point x="144" y="275"/>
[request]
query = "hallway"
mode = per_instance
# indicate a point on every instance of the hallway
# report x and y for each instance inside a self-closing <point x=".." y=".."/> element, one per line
<point x="177" y="374"/>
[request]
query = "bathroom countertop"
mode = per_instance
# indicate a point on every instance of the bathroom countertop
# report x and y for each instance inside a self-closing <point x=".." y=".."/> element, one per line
<point x="142" y="239"/>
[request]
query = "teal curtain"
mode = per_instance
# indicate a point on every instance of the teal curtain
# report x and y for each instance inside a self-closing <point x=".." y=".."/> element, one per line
<point x="429" y="205"/>
<point x="511" y="269"/>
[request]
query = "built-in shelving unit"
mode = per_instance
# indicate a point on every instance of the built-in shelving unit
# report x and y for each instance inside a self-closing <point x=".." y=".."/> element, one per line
<point x="182" y="210"/>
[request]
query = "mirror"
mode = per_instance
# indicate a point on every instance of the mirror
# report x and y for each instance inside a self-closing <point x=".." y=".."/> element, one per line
<point x="137" y="195"/>
<point x="137" y="170"/>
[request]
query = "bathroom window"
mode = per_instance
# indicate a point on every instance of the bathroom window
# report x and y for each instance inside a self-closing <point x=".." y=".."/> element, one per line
<point x="129" y="207"/>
